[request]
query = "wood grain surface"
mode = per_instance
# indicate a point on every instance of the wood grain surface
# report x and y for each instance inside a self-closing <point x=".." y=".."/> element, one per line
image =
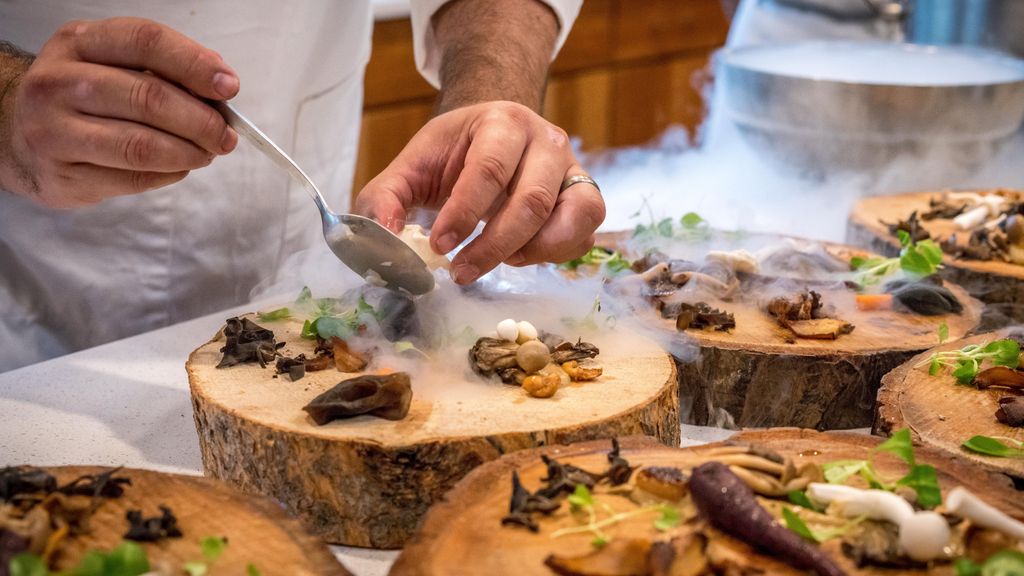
<point x="367" y="481"/>
<point x="463" y="535"/>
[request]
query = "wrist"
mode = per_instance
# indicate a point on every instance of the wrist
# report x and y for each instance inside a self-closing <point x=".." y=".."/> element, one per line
<point x="13" y="65"/>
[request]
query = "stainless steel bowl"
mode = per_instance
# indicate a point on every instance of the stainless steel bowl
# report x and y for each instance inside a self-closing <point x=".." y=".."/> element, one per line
<point x="824" y="106"/>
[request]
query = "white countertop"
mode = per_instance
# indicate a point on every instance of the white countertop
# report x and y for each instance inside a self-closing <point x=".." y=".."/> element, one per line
<point x="127" y="404"/>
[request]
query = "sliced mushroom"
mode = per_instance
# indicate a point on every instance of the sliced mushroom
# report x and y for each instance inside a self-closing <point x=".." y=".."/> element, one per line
<point x="388" y="396"/>
<point x="620" y="557"/>
<point x="999" y="377"/>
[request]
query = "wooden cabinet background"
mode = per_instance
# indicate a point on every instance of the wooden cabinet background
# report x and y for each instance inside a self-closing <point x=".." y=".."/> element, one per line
<point x="628" y="70"/>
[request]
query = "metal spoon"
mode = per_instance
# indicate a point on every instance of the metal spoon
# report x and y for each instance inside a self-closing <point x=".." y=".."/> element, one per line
<point x="360" y="243"/>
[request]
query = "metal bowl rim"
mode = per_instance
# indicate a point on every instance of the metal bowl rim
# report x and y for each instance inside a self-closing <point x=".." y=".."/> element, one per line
<point x="725" y="56"/>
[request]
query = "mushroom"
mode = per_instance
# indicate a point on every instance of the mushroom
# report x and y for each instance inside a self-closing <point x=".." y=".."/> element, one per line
<point x="533" y="355"/>
<point x="1014" y="228"/>
<point x="923" y="535"/>
<point x="541" y="385"/>
<point x="963" y="503"/>
<point x="526" y="332"/>
<point x="508" y="329"/>
<point x="388" y="396"/>
<point x="1000" y="377"/>
<point x="583" y="370"/>
<point x="738" y="260"/>
<point x="665" y="482"/>
<point x="621" y="557"/>
<point x="491" y="355"/>
<point x="1011" y="411"/>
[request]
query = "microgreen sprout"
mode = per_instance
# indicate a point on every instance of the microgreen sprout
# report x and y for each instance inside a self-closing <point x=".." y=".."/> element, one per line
<point x="995" y="447"/>
<point x="583" y="503"/>
<point x="921" y="478"/>
<point x="611" y="261"/>
<point x="966" y="362"/>
<point x="918" y="259"/>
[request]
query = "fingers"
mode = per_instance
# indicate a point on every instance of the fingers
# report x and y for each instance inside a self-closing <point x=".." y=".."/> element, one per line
<point x="382" y="200"/>
<point x="521" y="216"/>
<point x="146" y="99"/>
<point x="77" y="185"/>
<point x="568" y="233"/>
<point x="126" y="146"/>
<point x="145" y="45"/>
<point x="493" y="159"/>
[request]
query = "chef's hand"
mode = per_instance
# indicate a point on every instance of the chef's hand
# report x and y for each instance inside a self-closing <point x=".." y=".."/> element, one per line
<point x="497" y="162"/>
<point x="110" y="107"/>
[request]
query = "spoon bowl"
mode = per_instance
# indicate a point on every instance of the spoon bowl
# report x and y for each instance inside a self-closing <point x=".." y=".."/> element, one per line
<point x="369" y="249"/>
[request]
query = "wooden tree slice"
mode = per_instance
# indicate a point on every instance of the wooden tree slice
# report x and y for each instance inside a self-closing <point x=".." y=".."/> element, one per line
<point x="259" y="532"/>
<point x="463" y="533"/>
<point x="1000" y="285"/>
<point x="943" y="414"/>
<point x="757" y="375"/>
<point x="367" y="481"/>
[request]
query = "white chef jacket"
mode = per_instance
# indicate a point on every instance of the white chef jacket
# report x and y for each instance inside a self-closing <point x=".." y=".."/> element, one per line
<point x="74" y="279"/>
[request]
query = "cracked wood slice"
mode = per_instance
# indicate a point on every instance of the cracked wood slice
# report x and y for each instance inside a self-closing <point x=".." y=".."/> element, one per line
<point x="1000" y="285"/>
<point x="367" y="481"/>
<point x="258" y="531"/>
<point x="757" y="375"/>
<point x="943" y="414"/>
<point x="462" y="534"/>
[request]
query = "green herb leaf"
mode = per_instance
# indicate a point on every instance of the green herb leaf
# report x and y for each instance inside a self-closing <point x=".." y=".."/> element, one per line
<point x="935" y="367"/>
<point x="309" y="331"/>
<point x="640" y="230"/>
<point x="581" y="497"/>
<point x="992" y="447"/>
<point x="923" y="480"/>
<point x="252" y="570"/>
<point x="599" y="541"/>
<point x="279" y="314"/>
<point x="904" y="237"/>
<point x="794" y="523"/>
<point x="669" y="519"/>
<point x="857" y="262"/>
<point x="965" y="567"/>
<point x="943" y="332"/>
<point x="799" y="497"/>
<point x="1005" y="352"/>
<point x="966" y="370"/>
<point x="27" y="564"/>
<point x="1004" y="563"/>
<point x="305" y="296"/>
<point x="840" y="471"/>
<point x="899" y="444"/>
<point x="665" y="228"/>
<point x="213" y="547"/>
<point x="195" y="568"/>
<point x="691" y="220"/>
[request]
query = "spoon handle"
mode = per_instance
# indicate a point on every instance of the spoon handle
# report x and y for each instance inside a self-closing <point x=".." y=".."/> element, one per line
<point x="246" y="128"/>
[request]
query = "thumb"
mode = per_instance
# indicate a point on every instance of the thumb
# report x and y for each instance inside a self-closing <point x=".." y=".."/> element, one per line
<point x="387" y="200"/>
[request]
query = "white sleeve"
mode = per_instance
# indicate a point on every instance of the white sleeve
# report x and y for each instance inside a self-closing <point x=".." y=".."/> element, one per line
<point x="428" y="57"/>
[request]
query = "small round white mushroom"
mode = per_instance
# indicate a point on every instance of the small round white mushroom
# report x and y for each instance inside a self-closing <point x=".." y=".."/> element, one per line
<point x="924" y="536"/>
<point x="508" y="330"/>
<point x="526" y="332"/>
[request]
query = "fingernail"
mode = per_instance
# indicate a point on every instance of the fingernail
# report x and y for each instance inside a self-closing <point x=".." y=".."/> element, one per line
<point x="228" y="140"/>
<point x="225" y="84"/>
<point x="448" y="242"/>
<point x="465" y="273"/>
<point x="515" y="259"/>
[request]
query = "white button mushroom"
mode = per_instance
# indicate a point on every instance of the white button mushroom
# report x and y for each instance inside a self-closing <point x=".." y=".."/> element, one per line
<point x="508" y="330"/>
<point x="965" y="504"/>
<point x="526" y="332"/>
<point x="924" y="536"/>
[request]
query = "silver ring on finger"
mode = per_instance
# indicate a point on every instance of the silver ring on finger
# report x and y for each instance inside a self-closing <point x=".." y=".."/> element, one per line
<point x="578" y="179"/>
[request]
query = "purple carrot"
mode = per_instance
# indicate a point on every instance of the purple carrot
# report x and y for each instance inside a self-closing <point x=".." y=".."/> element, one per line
<point x="729" y="505"/>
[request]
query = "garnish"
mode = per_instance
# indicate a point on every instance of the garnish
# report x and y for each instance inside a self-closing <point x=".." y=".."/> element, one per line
<point x="691" y="225"/>
<point x="943" y="332"/>
<point x="582" y="501"/>
<point x="966" y="362"/>
<point x="142" y="529"/>
<point x="796" y="524"/>
<point x="994" y="447"/>
<point x="212" y="548"/>
<point x="612" y="261"/>
<point x="799" y="497"/>
<point x="128" y="559"/>
<point x="921" y="478"/>
<point x="279" y="314"/>
<point x="1002" y="563"/>
<point x="918" y="259"/>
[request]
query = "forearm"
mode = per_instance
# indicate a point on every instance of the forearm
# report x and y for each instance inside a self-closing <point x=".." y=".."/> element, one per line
<point x="494" y="50"/>
<point x="13" y="64"/>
